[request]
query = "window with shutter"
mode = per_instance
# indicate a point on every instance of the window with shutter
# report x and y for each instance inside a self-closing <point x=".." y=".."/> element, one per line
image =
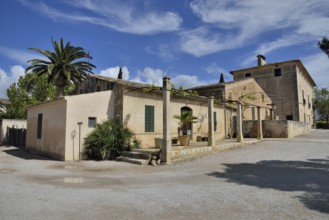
<point x="149" y="118"/>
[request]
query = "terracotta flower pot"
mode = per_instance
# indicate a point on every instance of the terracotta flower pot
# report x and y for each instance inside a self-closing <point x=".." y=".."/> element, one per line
<point x="184" y="140"/>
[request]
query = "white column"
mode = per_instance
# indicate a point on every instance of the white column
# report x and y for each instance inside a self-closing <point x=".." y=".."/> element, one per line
<point x="166" y="142"/>
<point x="211" y="138"/>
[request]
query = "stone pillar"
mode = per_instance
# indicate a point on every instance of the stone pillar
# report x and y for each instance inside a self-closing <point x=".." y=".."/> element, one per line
<point x="239" y="122"/>
<point x="211" y="138"/>
<point x="259" y="125"/>
<point x="166" y="141"/>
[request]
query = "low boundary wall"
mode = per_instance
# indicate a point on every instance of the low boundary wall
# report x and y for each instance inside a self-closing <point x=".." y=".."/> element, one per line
<point x="276" y="129"/>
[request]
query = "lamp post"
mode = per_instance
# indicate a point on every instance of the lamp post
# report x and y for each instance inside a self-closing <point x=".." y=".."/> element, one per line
<point x="79" y="123"/>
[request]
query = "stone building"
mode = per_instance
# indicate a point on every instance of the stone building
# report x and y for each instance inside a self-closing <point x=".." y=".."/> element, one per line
<point x="246" y="91"/>
<point x="288" y="84"/>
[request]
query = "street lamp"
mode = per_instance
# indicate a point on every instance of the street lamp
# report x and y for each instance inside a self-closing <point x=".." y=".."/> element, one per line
<point x="79" y="123"/>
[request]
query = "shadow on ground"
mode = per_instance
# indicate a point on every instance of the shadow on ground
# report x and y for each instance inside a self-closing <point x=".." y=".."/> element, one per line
<point x="24" y="154"/>
<point x="310" y="177"/>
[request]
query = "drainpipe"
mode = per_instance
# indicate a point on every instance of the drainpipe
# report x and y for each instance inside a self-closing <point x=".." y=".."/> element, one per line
<point x="79" y="123"/>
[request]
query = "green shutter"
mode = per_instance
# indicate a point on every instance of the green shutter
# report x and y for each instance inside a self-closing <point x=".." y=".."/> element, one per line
<point x="149" y="118"/>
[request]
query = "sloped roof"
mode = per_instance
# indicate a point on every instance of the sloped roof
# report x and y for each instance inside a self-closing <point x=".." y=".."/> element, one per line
<point x="298" y="62"/>
<point x="120" y="81"/>
<point x="218" y="85"/>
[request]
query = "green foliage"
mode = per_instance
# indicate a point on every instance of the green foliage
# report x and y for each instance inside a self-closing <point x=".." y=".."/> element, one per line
<point x="63" y="65"/>
<point x="180" y="91"/>
<point x="30" y="91"/>
<point x="321" y="104"/>
<point x="108" y="140"/>
<point x="322" y="125"/>
<point x="324" y="45"/>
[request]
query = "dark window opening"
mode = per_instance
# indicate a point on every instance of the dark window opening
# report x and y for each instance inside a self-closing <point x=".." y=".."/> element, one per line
<point x="92" y="121"/>
<point x="277" y="72"/>
<point x="290" y="117"/>
<point x="39" y="129"/>
<point x="247" y="75"/>
<point x="98" y="88"/>
<point x="149" y="118"/>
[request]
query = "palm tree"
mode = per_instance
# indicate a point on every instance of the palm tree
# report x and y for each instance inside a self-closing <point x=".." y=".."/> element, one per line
<point x="64" y="65"/>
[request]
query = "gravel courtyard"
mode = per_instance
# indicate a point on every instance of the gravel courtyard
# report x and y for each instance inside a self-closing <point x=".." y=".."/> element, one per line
<point x="273" y="179"/>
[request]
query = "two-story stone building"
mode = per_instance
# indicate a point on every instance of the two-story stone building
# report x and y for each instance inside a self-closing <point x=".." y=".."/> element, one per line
<point x="288" y="84"/>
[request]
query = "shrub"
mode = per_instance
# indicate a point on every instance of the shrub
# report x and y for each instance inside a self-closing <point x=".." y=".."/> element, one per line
<point x="108" y="140"/>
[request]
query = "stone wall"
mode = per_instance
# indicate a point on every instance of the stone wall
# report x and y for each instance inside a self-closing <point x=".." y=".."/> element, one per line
<point x="276" y="129"/>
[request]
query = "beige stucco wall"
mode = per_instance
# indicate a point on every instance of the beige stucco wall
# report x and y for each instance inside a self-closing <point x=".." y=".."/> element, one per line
<point x="305" y="109"/>
<point x="52" y="142"/>
<point x="11" y="123"/>
<point x="79" y="108"/>
<point x="60" y="131"/>
<point x="134" y="116"/>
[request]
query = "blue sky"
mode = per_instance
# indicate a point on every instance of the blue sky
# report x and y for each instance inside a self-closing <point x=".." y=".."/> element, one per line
<point x="190" y="41"/>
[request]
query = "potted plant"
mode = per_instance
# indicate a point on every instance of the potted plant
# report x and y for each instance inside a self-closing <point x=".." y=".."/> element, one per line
<point x="185" y="118"/>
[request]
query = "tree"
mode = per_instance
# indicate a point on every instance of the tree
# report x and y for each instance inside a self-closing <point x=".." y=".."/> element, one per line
<point x="221" y="80"/>
<point x="324" y="45"/>
<point x="27" y="92"/>
<point x="120" y="73"/>
<point x="321" y="104"/>
<point x="64" y="65"/>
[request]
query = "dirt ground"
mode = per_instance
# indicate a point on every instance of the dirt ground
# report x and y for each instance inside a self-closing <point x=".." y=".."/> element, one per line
<point x="273" y="179"/>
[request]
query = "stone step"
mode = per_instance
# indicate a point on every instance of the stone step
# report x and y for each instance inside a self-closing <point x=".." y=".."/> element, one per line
<point x="151" y="151"/>
<point x="142" y="162"/>
<point x="137" y="155"/>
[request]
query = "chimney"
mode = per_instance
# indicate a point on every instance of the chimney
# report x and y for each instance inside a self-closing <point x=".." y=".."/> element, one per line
<point x="261" y="60"/>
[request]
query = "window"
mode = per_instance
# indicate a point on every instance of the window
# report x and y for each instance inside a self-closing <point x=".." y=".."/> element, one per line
<point x="92" y="121"/>
<point x="98" y="88"/>
<point x="39" y="129"/>
<point x="277" y="72"/>
<point x="263" y="98"/>
<point x="215" y="121"/>
<point x="247" y="75"/>
<point x="149" y="118"/>
<point x="290" y="117"/>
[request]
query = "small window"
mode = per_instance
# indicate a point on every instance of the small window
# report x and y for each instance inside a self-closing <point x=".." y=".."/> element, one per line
<point x="277" y="72"/>
<point x="39" y="129"/>
<point x="290" y="117"/>
<point x="263" y="98"/>
<point x="92" y="121"/>
<point x="247" y="75"/>
<point x="149" y="118"/>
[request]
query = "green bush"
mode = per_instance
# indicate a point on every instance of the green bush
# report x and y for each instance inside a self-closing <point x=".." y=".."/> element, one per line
<point x="109" y="140"/>
<point x="321" y="125"/>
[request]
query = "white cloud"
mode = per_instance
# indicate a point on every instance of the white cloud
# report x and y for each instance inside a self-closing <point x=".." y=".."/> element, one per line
<point x="154" y="76"/>
<point x="318" y="67"/>
<point x="6" y="79"/>
<point x="150" y="76"/>
<point x="240" y="23"/>
<point x="114" y="71"/>
<point x="19" y="55"/>
<point x="113" y="14"/>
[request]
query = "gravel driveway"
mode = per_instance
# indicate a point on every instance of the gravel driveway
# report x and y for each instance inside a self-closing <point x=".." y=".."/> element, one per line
<point x="273" y="179"/>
